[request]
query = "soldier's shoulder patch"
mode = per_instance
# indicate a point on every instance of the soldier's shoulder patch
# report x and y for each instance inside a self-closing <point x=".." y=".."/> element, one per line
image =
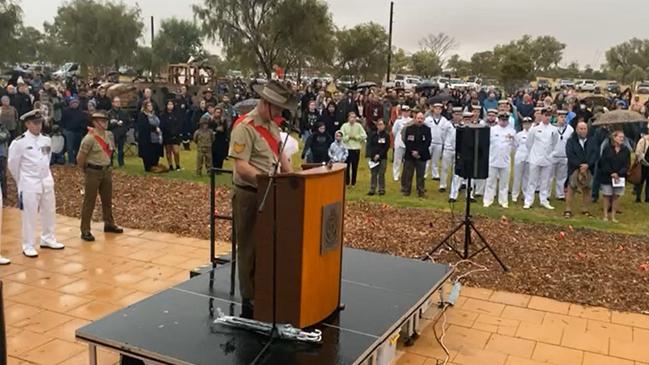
<point x="238" y="147"/>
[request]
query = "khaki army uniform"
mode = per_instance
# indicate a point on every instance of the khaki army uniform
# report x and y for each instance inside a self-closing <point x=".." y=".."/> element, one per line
<point x="203" y="140"/>
<point x="247" y="143"/>
<point x="98" y="178"/>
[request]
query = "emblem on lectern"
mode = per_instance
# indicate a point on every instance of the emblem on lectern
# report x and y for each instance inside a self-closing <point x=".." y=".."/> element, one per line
<point x="331" y="227"/>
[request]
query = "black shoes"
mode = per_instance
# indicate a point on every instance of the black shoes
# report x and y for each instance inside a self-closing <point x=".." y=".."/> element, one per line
<point x="113" y="229"/>
<point x="441" y="190"/>
<point x="451" y="200"/>
<point x="370" y="193"/>
<point x="87" y="236"/>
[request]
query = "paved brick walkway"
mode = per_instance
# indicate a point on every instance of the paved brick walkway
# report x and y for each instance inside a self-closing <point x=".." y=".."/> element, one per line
<point x="48" y="298"/>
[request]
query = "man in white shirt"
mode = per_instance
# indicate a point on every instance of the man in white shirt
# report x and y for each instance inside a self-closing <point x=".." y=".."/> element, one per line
<point x="540" y="143"/>
<point x="437" y="123"/>
<point x="399" y="146"/>
<point x="448" y="155"/>
<point x="521" y="166"/>
<point x="500" y="151"/>
<point x="29" y="164"/>
<point x="560" y="159"/>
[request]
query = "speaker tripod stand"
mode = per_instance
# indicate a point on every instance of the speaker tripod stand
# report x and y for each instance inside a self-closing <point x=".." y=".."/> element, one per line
<point x="468" y="225"/>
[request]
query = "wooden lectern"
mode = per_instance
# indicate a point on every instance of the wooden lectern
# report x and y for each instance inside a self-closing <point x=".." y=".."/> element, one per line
<point x="310" y="210"/>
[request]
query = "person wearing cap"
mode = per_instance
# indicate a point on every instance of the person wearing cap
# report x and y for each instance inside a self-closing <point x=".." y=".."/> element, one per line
<point x="492" y="117"/>
<point x="74" y="122"/>
<point x="29" y="164"/>
<point x="560" y="160"/>
<point x="255" y="149"/>
<point x="448" y="155"/>
<point x="437" y="123"/>
<point x="521" y="165"/>
<point x="94" y="158"/>
<point x="22" y="101"/>
<point x="399" y="147"/>
<point x="500" y="150"/>
<point x="203" y="137"/>
<point x="540" y="143"/>
<point x="416" y="137"/>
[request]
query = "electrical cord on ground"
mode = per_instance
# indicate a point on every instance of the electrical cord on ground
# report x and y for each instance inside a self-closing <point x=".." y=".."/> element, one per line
<point x="451" y="301"/>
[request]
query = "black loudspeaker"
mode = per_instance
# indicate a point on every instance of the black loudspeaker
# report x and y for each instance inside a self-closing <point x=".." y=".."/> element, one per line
<point x="472" y="152"/>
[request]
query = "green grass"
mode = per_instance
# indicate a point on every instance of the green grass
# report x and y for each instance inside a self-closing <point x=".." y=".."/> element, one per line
<point x="633" y="219"/>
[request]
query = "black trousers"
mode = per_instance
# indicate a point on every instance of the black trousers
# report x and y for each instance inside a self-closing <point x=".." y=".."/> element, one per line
<point x="352" y="166"/>
<point x="410" y="167"/>
<point x="645" y="182"/>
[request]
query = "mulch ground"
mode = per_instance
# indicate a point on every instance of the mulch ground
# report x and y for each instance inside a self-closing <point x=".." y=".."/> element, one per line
<point x="581" y="266"/>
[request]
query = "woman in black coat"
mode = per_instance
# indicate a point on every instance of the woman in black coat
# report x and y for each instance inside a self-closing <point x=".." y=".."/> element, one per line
<point x="612" y="168"/>
<point x="149" y="136"/>
<point x="316" y="148"/>
<point x="171" y="125"/>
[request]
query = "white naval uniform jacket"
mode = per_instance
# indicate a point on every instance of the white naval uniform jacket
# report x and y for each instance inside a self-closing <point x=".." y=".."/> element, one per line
<point x="437" y="126"/>
<point x="448" y="135"/>
<point x="540" y="144"/>
<point x="563" y="134"/>
<point x="522" y="152"/>
<point x="29" y="162"/>
<point x="501" y="146"/>
<point x="397" y="128"/>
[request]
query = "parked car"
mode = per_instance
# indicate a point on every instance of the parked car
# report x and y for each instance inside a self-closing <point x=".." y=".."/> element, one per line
<point x="564" y="85"/>
<point x="473" y="82"/>
<point x="403" y="82"/>
<point x="642" y="88"/>
<point x="457" y="84"/>
<point x="543" y="84"/>
<point x="587" y="85"/>
<point x="613" y="87"/>
<point x="68" y="70"/>
<point x="442" y="82"/>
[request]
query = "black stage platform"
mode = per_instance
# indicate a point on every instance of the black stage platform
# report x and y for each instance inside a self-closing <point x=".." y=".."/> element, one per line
<point x="381" y="294"/>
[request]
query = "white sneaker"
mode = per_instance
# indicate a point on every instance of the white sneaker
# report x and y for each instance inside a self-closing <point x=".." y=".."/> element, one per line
<point x="4" y="261"/>
<point x="30" y="252"/>
<point x="52" y="245"/>
<point x="547" y="206"/>
<point x="527" y="206"/>
<point x="487" y="205"/>
<point x="504" y="206"/>
<point x="514" y="200"/>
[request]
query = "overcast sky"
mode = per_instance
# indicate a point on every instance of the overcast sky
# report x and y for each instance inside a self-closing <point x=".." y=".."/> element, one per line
<point x="587" y="27"/>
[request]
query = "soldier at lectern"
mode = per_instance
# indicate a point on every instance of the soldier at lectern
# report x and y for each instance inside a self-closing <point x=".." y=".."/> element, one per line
<point x="255" y="147"/>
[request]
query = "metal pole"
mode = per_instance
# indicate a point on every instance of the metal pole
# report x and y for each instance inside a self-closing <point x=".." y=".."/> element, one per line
<point x="152" y="31"/>
<point x="390" y="41"/>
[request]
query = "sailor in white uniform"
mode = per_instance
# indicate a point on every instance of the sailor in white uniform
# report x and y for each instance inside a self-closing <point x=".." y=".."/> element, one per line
<point x="457" y="180"/>
<point x="560" y="159"/>
<point x="500" y="152"/>
<point x="540" y="143"/>
<point x="29" y="164"/>
<point x="521" y="166"/>
<point x="437" y="123"/>
<point x="448" y="155"/>
<point x="399" y="146"/>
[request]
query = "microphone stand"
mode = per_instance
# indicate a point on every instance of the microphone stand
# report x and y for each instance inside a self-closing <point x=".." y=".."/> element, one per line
<point x="272" y="183"/>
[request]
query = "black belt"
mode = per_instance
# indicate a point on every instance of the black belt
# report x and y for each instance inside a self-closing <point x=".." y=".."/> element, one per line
<point x="246" y="188"/>
<point x="97" y="167"/>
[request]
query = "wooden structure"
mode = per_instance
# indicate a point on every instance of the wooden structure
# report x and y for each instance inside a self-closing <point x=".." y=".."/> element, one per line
<point x="310" y="211"/>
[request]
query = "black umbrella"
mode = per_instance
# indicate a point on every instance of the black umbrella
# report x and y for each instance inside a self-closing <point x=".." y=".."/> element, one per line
<point x="426" y="85"/>
<point x="245" y="106"/>
<point x="440" y="98"/>
<point x="365" y="85"/>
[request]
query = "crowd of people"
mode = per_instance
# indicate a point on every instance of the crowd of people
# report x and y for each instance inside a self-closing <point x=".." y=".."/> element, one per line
<point x="542" y="143"/>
